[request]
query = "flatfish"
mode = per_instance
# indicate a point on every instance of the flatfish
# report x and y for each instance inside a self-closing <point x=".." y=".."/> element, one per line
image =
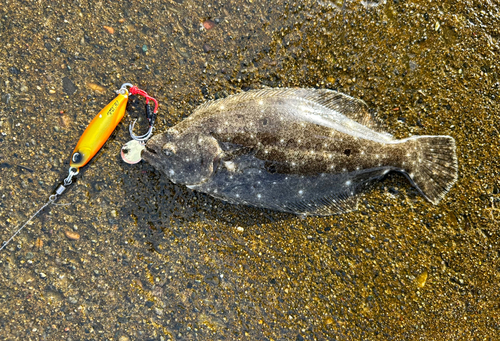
<point x="303" y="151"/>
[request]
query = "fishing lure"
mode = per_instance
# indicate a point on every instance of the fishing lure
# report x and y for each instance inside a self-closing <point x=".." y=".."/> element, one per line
<point x="95" y="135"/>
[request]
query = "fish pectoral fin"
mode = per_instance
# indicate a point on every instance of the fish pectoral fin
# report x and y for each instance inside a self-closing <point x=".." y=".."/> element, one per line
<point x="332" y="204"/>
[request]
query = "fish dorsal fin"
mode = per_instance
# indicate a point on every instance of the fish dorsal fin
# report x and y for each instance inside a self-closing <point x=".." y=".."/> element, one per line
<point x="353" y="108"/>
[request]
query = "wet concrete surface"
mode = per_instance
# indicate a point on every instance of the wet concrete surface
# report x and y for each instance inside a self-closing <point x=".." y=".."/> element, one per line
<point x="156" y="261"/>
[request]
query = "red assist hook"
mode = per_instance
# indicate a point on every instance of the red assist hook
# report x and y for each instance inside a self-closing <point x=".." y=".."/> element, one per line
<point x="151" y="116"/>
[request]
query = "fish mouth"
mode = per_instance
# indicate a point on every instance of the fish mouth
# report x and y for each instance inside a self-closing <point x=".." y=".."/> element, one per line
<point x="148" y="150"/>
<point x="152" y="149"/>
<point x="151" y="154"/>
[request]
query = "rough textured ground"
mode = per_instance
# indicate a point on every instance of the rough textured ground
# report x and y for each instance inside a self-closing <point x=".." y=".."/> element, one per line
<point x="156" y="261"/>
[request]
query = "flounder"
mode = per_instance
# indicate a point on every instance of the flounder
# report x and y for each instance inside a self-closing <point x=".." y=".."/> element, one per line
<point x="303" y="151"/>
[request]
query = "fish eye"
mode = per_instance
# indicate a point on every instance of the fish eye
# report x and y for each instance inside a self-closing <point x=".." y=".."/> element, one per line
<point x="77" y="157"/>
<point x="169" y="149"/>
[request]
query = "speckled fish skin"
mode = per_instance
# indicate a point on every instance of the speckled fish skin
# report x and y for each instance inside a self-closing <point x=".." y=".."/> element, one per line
<point x="303" y="151"/>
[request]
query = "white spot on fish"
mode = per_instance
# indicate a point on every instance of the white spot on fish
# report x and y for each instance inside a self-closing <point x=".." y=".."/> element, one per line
<point x="348" y="183"/>
<point x="171" y="172"/>
<point x="301" y="192"/>
<point x="230" y="165"/>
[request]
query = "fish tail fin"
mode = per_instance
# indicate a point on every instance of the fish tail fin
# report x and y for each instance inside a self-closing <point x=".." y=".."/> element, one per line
<point x="434" y="166"/>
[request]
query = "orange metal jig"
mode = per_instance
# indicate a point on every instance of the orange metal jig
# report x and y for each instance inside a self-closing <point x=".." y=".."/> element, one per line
<point x="99" y="130"/>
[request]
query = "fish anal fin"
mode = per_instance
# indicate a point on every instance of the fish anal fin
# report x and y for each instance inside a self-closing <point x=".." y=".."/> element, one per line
<point x="333" y="204"/>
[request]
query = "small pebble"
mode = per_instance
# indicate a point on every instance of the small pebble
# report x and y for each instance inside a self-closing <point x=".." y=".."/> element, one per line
<point x="96" y="87"/>
<point x="72" y="235"/>
<point x="14" y="70"/>
<point x="207" y="48"/>
<point x="72" y="300"/>
<point x="209" y="24"/>
<point x="422" y="279"/>
<point x="68" y="86"/>
<point x="109" y="29"/>
<point x="6" y="98"/>
<point x="42" y="275"/>
<point x="65" y="120"/>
